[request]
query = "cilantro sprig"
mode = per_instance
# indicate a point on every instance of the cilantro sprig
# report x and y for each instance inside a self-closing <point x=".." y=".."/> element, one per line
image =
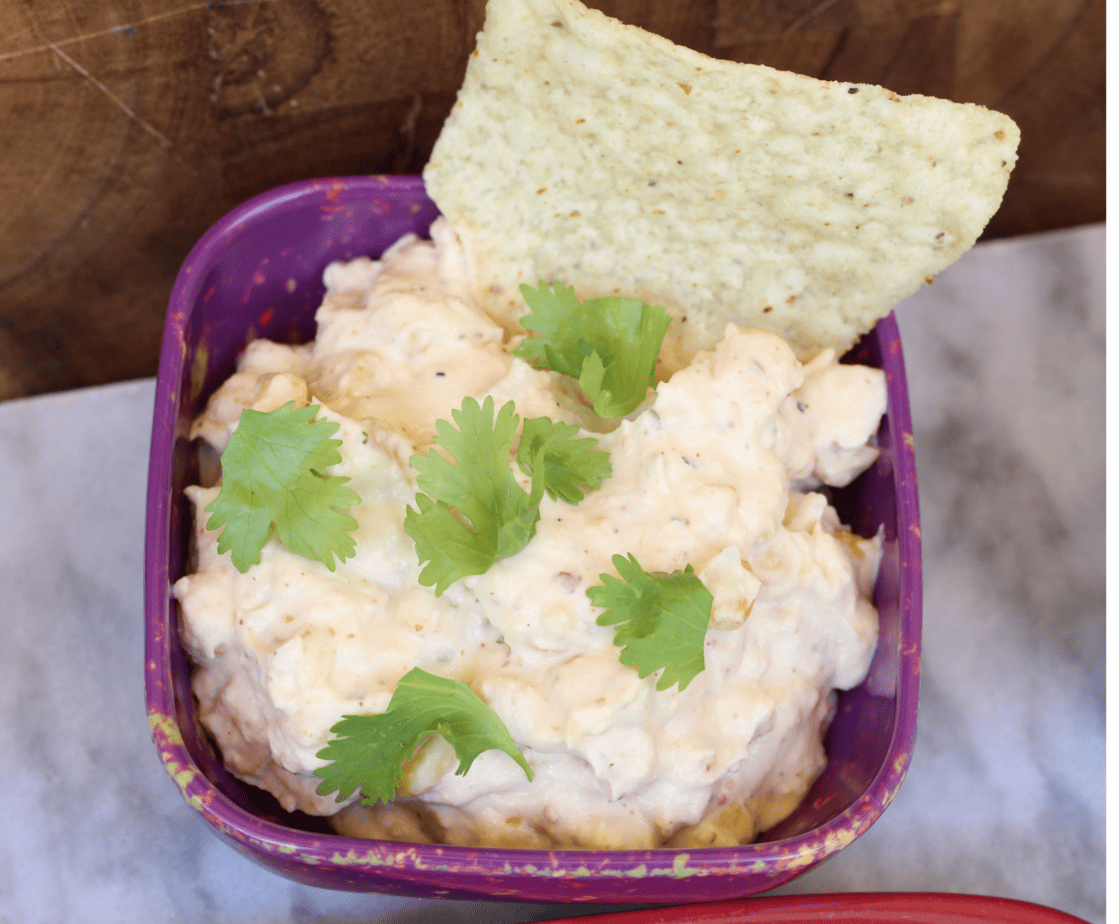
<point x="472" y="511"/>
<point x="660" y="619"/>
<point x="609" y="344"/>
<point x="272" y="476"/>
<point x="369" y="751"/>
<point x="569" y="465"/>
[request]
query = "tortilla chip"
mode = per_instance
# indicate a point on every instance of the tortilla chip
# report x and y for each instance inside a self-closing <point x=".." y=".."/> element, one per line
<point x="596" y="154"/>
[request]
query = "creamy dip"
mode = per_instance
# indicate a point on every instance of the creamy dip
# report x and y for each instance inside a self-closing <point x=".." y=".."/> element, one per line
<point x="720" y="469"/>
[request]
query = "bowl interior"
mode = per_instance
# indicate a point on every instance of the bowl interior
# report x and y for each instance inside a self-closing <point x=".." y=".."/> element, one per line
<point x="258" y="273"/>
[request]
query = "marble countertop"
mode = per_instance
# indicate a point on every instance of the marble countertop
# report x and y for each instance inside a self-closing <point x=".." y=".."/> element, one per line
<point x="1005" y="795"/>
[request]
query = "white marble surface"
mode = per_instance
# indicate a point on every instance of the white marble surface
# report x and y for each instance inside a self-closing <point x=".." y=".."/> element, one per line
<point x="1005" y="794"/>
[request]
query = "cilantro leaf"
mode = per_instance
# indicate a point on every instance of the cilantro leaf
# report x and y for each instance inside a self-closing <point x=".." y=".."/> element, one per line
<point x="660" y="619"/>
<point x="370" y="751"/>
<point x="473" y="513"/>
<point x="569" y="464"/>
<point x="609" y="344"/>
<point x="272" y="475"/>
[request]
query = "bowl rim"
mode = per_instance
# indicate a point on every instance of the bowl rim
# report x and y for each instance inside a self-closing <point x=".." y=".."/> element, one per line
<point x="794" y="853"/>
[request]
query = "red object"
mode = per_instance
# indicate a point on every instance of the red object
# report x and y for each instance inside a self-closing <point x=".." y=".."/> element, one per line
<point x="872" y="907"/>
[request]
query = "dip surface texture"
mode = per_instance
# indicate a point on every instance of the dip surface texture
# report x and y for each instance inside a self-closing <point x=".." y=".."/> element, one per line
<point x="720" y="469"/>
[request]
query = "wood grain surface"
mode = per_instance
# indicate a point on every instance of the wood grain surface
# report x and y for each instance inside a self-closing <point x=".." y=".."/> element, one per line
<point x="128" y="126"/>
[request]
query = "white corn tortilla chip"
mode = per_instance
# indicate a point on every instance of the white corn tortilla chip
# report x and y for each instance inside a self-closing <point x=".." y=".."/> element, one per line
<point x="588" y="152"/>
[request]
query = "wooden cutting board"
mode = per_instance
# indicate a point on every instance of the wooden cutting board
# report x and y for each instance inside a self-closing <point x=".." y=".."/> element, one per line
<point x="128" y="126"/>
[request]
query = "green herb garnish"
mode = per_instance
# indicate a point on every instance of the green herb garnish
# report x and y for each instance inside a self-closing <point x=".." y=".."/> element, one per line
<point x="272" y="476"/>
<point x="473" y="512"/>
<point x="609" y="344"/>
<point x="660" y="619"/>
<point x="570" y="465"/>
<point x="370" y="751"/>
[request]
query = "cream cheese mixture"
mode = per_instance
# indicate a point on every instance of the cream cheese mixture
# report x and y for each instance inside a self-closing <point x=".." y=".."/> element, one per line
<point x="720" y="469"/>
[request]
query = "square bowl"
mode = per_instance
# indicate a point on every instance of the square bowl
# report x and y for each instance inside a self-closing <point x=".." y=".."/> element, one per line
<point x="258" y="273"/>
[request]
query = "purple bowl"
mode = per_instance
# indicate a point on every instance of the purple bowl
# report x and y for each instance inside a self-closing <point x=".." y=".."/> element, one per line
<point x="258" y="273"/>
